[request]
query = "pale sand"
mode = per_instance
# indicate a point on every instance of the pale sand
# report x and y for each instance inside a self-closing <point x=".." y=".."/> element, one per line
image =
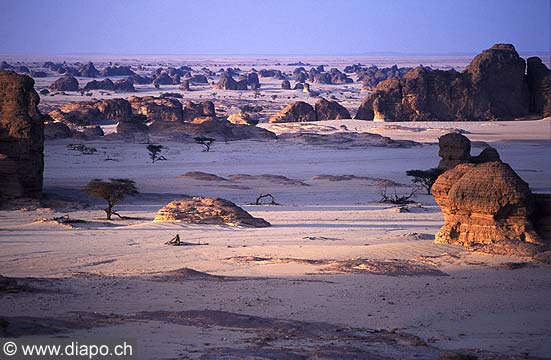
<point x="479" y="305"/>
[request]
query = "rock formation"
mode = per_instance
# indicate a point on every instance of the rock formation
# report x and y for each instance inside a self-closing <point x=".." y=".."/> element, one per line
<point x="213" y="211"/>
<point x="483" y="204"/>
<point x="493" y="86"/>
<point x="65" y="83"/>
<point x="105" y="84"/>
<point x="88" y="112"/>
<point x="243" y="118"/>
<point x="184" y="86"/>
<point x="132" y="126"/>
<point x="117" y="71"/>
<point x="21" y="137"/>
<point x="296" y="112"/>
<point x="286" y="85"/>
<point x="125" y="85"/>
<point x="330" y="110"/>
<point x="454" y="149"/>
<point x="227" y="82"/>
<point x="198" y="110"/>
<point x="539" y="84"/>
<point x="88" y="70"/>
<point x="57" y="130"/>
<point x="199" y="79"/>
<point x="157" y="109"/>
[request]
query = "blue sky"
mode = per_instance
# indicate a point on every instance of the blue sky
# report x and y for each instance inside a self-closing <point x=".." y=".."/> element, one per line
<point x="271" y="26"/>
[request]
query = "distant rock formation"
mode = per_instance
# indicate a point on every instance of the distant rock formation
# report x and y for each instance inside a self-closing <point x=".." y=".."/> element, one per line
<point x="212" y="211"/>
<point x="372" y="76"/>
<point x="198" y="110"/>
<point x="157" y="109"/>
<point x="65" y="83"/>
<point x="88" y="70"/>
<point x="483" y="204"/>
<point x="21" y="137"/>
<point x="117" y="71"/>
<point x="243" y="118"/>
<point x="125" y="85"/>
<point x="539" y="84"/>
<point x="88" y="112"/>
<point x="330" y="110"/>
<point x="493" y="86"/>
<point x="185" y="85"/>
<point x="286" y="85"/>
<point x="298" y="111"/>
<point x="199" y="79"/>
<point x="105" y="84"/>
<point x="227" y="82"/>
<point x="133" y="126"/>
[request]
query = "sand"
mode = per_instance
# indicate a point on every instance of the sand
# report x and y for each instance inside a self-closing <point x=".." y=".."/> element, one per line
<point x="424" y="298"/>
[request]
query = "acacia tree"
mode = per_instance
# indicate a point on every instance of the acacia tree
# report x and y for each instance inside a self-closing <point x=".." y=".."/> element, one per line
<point x="425" y="178"/>
<point x="112" y="191"/>
<point x="155" y="151"/>
<point x="205" y="141"/>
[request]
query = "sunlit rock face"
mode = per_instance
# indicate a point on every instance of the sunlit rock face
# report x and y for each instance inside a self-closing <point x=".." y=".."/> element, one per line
<point x="21" y="137"/>
<point x="483" y="204"/>
<point x="493" y="86"/>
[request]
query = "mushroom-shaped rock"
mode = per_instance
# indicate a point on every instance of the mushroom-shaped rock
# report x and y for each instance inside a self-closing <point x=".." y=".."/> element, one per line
<point x="484" y="204"/>
<point x="454" y="149"/>
<point x="201" y="210"/>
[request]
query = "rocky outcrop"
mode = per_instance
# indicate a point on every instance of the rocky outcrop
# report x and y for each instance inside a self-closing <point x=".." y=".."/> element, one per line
<point x="243" y="118"/>
<point x="125" y="85"/>
<point x="227" y="82"/>
<point x="89" y="112"/>
<point x="296" y="112"/>
<point x="21" y="136"/>
<point x="105" y="84"/>
<point x="286" y="85"/>
<point x="184" y="86"/>
<point x="212" y="211"/>
<point x="88" y="70"/>
<point x="132" y="126"/>
<point x="539" y="84"/>
<point x="198" y="110"/>
<point x="157" y="109"/>
<point x="372" y="76"/>
<point x="199" y="79"/>
<point x="117" y="71"/>
<point x="330" y="110"/>
<point x="65" y="83"/>
<point x="484" y="204"/>
<point x="493" y="86"/>
<point x="57" y="130"/>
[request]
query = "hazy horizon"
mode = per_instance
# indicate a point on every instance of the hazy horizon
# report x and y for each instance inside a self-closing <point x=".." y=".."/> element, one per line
<point x="272" y="28"/>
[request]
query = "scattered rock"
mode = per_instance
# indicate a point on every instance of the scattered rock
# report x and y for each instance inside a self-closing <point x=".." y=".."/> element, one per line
<point x="330" y="110"/>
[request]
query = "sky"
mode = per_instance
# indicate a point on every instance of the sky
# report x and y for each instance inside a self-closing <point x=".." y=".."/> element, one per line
<point x="278" y="27"/>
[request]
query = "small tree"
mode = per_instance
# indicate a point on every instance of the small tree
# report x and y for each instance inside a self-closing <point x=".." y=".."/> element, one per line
<point x="425" y="178"/>
<point x="111" y="191"/>
<point x="154" y="152"/>
<point x="205" y="141"/>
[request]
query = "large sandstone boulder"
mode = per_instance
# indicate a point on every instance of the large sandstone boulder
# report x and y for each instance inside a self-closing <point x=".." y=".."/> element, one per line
<point x="21" y="135"/>
<point x="330" y="110"/>
<point x="65" y="83"/>
<point x="539" y="84"/>
<point x="214" y="211"/>
<point x="484" y="204"/>
<point x="493" y="86"/>
<point x="227" y="82"/>
<point x="298" y="111"/>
